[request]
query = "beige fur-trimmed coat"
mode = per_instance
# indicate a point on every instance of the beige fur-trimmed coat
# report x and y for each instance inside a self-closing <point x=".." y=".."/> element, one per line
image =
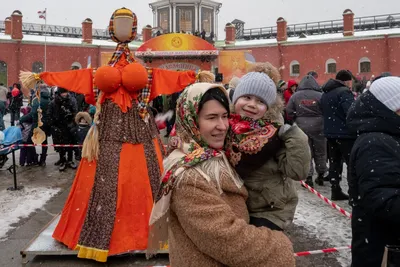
<point x="208" y="228"/>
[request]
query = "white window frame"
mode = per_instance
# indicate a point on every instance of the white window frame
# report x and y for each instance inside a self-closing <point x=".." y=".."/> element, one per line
<point x="294" y="62"/>
<point x="363" y="60"/>
<point x="78" y="64"/>
<point x="330" y="61"/>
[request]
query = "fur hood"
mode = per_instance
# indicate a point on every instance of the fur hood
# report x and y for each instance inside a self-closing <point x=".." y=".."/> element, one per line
<point x="85" y="116"/>
<point x="275" y="112"/>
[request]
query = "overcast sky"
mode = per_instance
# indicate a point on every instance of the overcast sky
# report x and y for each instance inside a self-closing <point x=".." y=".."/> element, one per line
<point x="256" y="13"/>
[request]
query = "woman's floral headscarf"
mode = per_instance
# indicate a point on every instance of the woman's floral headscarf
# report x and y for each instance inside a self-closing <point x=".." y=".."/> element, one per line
<point x="189" y="151"/>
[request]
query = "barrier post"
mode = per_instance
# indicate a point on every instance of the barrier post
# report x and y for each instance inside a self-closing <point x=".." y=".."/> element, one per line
<point x="14" y="171"/>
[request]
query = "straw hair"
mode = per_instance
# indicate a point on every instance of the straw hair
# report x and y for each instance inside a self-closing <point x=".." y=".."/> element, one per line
<point x="90" y="149"/>
<point x="266" y="68"/>
<point x="28" y="80"/>
<point x="206" y="77"/>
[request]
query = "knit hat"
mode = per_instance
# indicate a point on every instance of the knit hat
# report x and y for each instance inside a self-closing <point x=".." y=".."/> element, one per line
<point x="257" y="84"/>
<point x="387" y="91"/>
<point x="344" y="76"/>
<point x="281" y="83"/>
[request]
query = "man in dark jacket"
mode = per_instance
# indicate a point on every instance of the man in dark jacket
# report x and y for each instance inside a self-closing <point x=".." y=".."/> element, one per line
<point x="61" y="114"/>
<point x="335" y="102"/>
<point x="33" y="117"/>
<point x="375" y="172"/>
<point x="305" y="108"/>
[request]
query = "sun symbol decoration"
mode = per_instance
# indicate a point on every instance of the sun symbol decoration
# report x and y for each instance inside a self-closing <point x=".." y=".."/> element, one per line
<point x="235" y="63"/>
<point x="176" y="42"/>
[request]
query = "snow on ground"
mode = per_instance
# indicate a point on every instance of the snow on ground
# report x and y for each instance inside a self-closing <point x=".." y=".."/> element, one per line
<point x="323" y="221"/>
<point x="16" y="205"/>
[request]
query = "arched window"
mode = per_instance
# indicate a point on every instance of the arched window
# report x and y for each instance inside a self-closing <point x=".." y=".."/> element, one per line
<point x="294" y="68"/>
<point x="76" y="66"/>
<point x="37" y="67"/>
<point x="331" y="66"/>
<point x="364" y="65"/>
<point x="3" y="73"/>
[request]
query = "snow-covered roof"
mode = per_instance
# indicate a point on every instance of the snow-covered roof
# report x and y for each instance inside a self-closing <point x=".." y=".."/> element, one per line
<point x="218" y="44"/>
<point x="4" y="37"/>
<point x="66" y="41"/>
<point x="312" y="38"/>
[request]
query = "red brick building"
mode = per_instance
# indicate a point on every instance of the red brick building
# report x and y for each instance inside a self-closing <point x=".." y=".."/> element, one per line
<point x="364" y="52"/>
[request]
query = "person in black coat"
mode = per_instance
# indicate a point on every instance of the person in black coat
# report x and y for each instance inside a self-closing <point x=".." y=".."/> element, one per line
<point x="375" y="172"/>
<point x="32" y="116"/>
<point x="16" y="102"/>
<point x="335" y="102"/>
<point x="61" y="114"/>
<point x="172" y="106"/>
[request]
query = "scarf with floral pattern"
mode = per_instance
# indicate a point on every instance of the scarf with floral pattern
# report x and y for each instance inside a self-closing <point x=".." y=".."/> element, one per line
<point x="189" y="150"/>
<point x="248" y="136"/>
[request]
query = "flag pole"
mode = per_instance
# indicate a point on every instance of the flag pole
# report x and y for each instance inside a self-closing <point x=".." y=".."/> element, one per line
<point x="45" y="39"/>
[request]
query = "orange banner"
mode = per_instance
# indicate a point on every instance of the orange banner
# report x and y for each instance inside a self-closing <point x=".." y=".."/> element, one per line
<point x="176" y="42"/>
<point x="233" y="63"/>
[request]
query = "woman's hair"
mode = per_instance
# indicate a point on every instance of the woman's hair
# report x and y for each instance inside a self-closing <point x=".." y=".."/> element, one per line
<point x="215" y="94"/>
<point x="18" y="85"/>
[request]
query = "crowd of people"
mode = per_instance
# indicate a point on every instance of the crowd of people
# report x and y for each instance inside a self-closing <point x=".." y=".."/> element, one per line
<point x="274" y="134"/>
<point x="65" y="117"/>
<point x="359" y="126"/>
<point x="237" y="153"/>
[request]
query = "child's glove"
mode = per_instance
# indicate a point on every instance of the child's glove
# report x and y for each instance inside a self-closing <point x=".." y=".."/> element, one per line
<point x="283" y="130"/>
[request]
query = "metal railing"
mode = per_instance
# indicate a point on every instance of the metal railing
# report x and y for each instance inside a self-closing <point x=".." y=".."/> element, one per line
<point x="324" y="27"/>
<point x="377" y="22"/>
<point x="263" y="33"/>
<point x="2" y="26"/>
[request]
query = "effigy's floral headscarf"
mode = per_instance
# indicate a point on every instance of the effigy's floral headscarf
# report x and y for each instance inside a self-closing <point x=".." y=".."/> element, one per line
<point x="189" y="151"/>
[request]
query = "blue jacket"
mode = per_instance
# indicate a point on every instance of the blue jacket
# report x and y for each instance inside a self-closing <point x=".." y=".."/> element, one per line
<point x="335" y="102"/>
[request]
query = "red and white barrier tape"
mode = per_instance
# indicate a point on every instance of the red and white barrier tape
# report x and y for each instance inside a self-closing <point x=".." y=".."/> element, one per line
<point x="327" y="200"/>
<point x="321" y="251"/>
<point x="33" y="145"/>
<point x="49" y="145"/>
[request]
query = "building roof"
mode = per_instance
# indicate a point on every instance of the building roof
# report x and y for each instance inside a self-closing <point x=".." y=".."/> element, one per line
<point x="160" y="3"/>
<point x="237" y="21"/>
<point x="333" y="37"/>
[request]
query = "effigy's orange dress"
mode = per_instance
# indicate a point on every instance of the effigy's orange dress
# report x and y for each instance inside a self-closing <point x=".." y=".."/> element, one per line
<point x="108" y="209"/>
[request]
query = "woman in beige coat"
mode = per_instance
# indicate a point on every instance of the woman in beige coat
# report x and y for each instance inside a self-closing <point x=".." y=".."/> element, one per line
<point x="201" y="207"/>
